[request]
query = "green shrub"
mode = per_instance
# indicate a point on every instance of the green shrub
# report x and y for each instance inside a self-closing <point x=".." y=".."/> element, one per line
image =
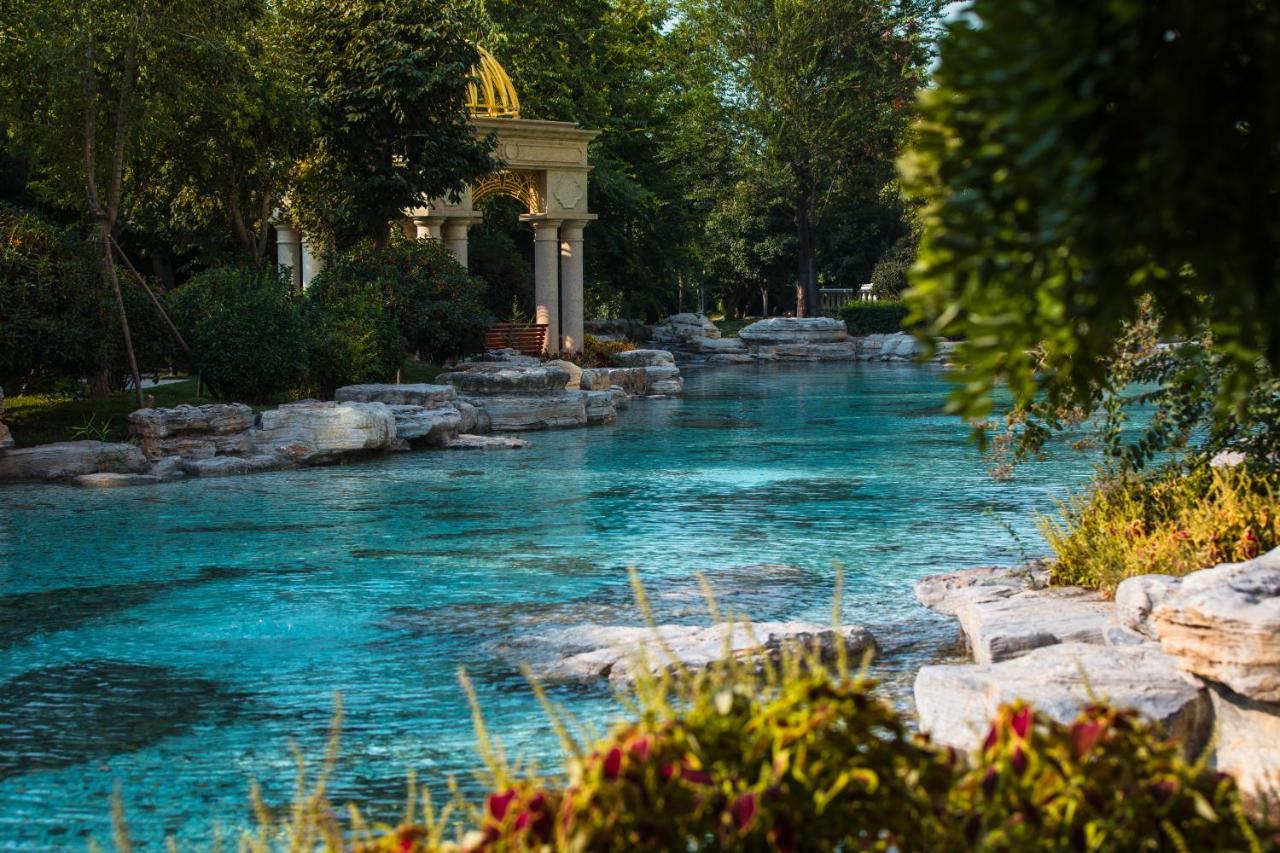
<point x="246" y="329"/>
<point x="437" y="304"/>
<point x="872" y="318"/>
<point x="597" y="352"/>
<point x="1173" y="522"/>
<point x="889" y="277"/>
<point x="353" y="335"/>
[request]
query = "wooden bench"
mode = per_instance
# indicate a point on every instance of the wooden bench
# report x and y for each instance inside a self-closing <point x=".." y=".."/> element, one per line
<point x="527" y="338"/>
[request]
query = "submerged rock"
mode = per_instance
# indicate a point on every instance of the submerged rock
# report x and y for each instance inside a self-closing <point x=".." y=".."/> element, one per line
<point x="613" y="652"/>
<point x="946" y="593"/>
<point x="956" y="702"/>
<point x="312" y="431"/>
<point x="114" y="481"/>
<point x="1224" y="624"/>
<point x="466" y="441"/>
<point x="1002" y="628"/>
<point x="66" y="459"/>
<point x="420" y="394"/>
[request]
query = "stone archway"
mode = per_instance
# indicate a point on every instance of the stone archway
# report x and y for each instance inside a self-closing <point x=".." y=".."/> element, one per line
<point x="544" y="165"/>
<point x="545" y="168"/>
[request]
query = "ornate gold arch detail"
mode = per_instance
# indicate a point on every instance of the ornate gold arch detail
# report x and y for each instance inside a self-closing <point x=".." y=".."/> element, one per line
<point x="518" y="185"/>
<point x="491" y="93"/>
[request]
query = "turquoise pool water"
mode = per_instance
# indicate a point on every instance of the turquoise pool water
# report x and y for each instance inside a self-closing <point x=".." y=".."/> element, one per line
<point x="174" y="639"/>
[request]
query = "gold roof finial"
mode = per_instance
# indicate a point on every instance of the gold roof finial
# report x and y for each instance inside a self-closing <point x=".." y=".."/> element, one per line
<point x="491" y="93"/>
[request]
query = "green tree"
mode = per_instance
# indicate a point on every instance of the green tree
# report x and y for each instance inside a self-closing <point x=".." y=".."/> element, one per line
<point x="388" y="79"/>
<point x="820" y="91"/>
<point x="1079" y="161"/>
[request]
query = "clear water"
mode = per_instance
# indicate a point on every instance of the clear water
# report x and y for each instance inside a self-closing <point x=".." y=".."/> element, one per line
<point x="173" y="640"/>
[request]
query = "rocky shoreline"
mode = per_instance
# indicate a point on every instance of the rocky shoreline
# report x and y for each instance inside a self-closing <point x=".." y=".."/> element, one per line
<point x="472" y="408"/>
<point x="1199" y="655"/>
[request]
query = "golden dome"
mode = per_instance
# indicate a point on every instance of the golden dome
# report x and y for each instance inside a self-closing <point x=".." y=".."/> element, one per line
<point x="491" y="94"/>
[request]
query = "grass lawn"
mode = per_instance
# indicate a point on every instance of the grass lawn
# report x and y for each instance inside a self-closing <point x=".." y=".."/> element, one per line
<point x="730" y="328"/>
<point x="41" y="418"/>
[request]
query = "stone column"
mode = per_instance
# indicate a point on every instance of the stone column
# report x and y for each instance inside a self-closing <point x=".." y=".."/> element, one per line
<point x="311" y="263"/>
<point x="546" y="279"/>
<point x="571" y="333"/>
<point x="455" y="238"/>
<point x="428" y="228"/>
<point x="289" y="252"/>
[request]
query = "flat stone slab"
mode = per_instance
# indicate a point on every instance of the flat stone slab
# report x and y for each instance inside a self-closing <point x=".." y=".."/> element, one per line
<point x="1004" y="628"/>
<point x="794" y="330"/>
<point x="507" y="379"/>
<point x="946" y="593"/>
<point x="956" y="702"/>
<point x="1224" y="624"/>
<point x="644" y="358"/>
<point x="213" y="419"/>
<point x="417" y="394"/>
<point x="66" y="459"/>
<point x="724" y="346"/>
<point x="466" y="441"/>
<point x="109" y="480"/>
<point x="513" y="413"/>
<point x="801" y="351"/>
<point x="592" y="652"/>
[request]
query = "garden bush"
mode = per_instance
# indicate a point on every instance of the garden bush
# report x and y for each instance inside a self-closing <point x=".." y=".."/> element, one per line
<point x="353" y="334"/>
<point x="438" y="305"/>
<point x="873" y="318"/>
<point x="597" y="352"/>
<point x="889" y="276"/>
<point x="1171" y="522"/>
<point x="246" y="329"/>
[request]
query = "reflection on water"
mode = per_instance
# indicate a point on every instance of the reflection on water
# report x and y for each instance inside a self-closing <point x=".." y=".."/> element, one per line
<point x="175" y="638"/>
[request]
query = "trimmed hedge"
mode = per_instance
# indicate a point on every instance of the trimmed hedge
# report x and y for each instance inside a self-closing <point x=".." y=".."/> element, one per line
<point x="874" y="318"/>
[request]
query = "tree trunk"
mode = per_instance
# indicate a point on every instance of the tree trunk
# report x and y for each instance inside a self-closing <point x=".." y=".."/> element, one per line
<point x="102" y="235"/>
<point x="806" y="279"/>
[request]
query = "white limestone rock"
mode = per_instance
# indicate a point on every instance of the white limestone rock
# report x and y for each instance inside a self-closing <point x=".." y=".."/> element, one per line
<point x="621" y="399"/>
<point x="600" y="408"/>
<point x="506" y="356"/>
<point x="1005" y="628"/>
<point x="1247" y="744"/>
<point x="416" y="394"/>
<point x="828" y="351"/>
<point x="192" y="431"/>
<point x="1223" y="624"/>
<point x="633" y="380"/>
<point x="594" y="379"/>
<point x="574" y="383"/>
<point x="6" y="437"/>
<point x="556" y="410"/>
<point x="794" y="330"/>
<point x="1137" y="596"/>
<point x="946" y="593"/>
<point x="428" y="425"/>
<point x="474" y="420"/>
<point x="900" y="347"/>
<point x="613" y="652"/>
<point x="644" y="358"/>
<point x="956" y="702"/>
<point x="679" y="329"/>
<point x="311" y="431"/>
<point x="466" y="441"/>
<point x="717" y="345"/>
<point x="506" y="379"/>
<point x="66" y="459"/>
<point x="664" y="379"/>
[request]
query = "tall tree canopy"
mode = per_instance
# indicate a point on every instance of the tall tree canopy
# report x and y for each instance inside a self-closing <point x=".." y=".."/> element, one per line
<point x="1079" y="161"/>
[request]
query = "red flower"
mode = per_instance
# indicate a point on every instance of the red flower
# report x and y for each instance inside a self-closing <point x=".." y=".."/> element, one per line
<point x="698" y="777"/>
<point x="1021" y="722"/>
<point x="408" y="836"/>
<point x="1085" y="735"/>
<point x="744" y="809"/>
<point x="667" y="770"/>
<point x="613" y="763"/>
<point x="497" y="804"/>
<point x="639" y="748"/>
<point x="992" y="735"/>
